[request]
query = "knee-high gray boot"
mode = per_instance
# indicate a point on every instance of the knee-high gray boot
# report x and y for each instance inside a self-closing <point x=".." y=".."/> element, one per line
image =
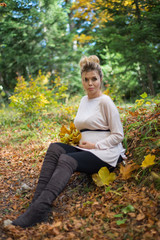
<point x="38" y="212"/>
<point x="50" y="162"/>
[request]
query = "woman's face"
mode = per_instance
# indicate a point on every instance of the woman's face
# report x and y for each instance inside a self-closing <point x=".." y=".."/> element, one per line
<point x="92" y="83"/>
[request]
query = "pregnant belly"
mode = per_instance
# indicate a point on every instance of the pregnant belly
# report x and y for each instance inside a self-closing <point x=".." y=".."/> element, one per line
<point x="93" y="136"/>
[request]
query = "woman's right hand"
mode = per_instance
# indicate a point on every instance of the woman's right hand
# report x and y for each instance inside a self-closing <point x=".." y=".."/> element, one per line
<point x="87" y="145"/>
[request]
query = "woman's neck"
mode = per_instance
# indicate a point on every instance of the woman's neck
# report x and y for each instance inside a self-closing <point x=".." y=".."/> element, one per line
<point x="91" y="96"/>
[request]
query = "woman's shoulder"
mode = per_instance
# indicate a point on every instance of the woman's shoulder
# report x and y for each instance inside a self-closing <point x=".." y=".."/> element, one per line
<point x="84" y="98"/>
<point x="107" y="103"/>
<point x="105" y="99"/>
<point x="104" y="96"/>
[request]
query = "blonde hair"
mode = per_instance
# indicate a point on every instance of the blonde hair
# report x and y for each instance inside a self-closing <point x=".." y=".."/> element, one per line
<point x="90" y="63"/>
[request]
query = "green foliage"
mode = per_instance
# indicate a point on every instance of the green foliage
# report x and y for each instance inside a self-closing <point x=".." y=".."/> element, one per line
<point x="20" y="39"/>
<point x="128" y="209"/>
<point x="143" y="121"/>
<point x="33" y="96"/>
<point x="124" y="213"/>
<point x="2" y="95"/>
<point x="41" y="35"/>
<point x="67" y="112"/>
<point x="33" y="36"/>
<point x="121" y="81"/>
<point x="147" y="100"/>
<point x="126" y="38"/>
<point x="8" y="117"/>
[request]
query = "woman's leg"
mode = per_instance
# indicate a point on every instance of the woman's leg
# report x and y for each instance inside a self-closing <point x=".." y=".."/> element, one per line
<point x="88" y="162"/>
<point x="50" y="162"/>
<point x="68" y="163"/>
<point x="39" y="210"/>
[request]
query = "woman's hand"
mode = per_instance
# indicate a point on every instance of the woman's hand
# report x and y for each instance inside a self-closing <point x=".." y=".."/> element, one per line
<point x="87" y="145"/>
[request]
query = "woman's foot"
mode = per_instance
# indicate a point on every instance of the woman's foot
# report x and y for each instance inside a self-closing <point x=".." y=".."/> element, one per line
<point x="36" y="213"/>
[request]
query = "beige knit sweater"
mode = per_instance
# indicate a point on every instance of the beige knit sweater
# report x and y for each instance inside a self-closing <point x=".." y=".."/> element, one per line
<point x="101" y="113"/>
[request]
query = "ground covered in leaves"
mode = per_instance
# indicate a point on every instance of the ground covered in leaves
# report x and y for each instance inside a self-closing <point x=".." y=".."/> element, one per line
<point x="127" y="209"/>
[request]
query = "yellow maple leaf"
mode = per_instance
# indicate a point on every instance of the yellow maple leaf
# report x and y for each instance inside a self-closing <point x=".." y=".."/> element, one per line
<point x="148" y="161"/>
<point x="103" y="173"/>
<point x="104" y="177"/>
<point x="98" y="181"/>
<point x="110" y="178"/>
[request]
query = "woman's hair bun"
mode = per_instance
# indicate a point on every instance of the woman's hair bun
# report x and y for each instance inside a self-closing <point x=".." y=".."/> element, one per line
<point x="87" y="60"/>
<point x="90" y="63"/>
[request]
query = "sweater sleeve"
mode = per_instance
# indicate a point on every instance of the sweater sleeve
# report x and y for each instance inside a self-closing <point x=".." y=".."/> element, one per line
<point x="111" y="114"/>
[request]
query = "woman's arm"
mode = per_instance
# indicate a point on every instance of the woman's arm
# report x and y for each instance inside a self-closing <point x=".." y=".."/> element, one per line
<point x="110" y="111"/>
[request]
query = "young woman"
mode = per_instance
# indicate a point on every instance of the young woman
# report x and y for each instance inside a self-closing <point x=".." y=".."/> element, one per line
<point x="102" y="133"/>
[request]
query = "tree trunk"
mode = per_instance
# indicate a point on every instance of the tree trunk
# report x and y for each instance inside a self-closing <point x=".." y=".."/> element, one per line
<point x="141" y="81"/>
<point x="150" y="80"/>
<point x="138" y="13"/>
<point x="70" y="15"/>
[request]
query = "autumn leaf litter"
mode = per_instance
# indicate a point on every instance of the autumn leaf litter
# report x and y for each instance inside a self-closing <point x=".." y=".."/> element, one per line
<point x="124" y="209"/>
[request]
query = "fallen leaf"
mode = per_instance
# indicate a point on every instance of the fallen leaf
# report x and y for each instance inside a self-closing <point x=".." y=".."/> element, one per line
<point x="127" y="170"/>
<point x="148" y="161"/>
<point x="96" y="178"/>
<point x="140" y="217"/>
<point x="104" y="177"/>
<point x="57" y="224"/>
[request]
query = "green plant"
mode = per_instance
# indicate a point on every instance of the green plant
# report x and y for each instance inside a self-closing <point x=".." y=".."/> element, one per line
<point x="124" y="211"/>
<point x="114" y="92"/>
<point x="28" y="97"/>
<point x="141" y="128"/>
<point x="33" y="97"/>
<point x="2" y="95"/>
<point x="146" y="100"/>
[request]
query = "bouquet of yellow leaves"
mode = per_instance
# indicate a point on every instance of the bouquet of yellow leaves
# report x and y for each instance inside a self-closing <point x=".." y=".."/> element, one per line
<point x="70" y="136"/>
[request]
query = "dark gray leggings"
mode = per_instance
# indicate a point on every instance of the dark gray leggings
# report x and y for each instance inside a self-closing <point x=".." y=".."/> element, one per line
<point x="87" y="161"/>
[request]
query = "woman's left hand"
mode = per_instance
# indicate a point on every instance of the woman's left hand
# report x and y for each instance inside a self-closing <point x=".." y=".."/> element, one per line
<point x="87" y="145"/>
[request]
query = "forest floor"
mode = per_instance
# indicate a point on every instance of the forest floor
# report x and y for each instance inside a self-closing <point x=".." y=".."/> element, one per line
<point x="127" y="209"/>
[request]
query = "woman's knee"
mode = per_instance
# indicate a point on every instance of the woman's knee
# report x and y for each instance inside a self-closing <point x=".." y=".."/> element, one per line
<point x="68" y="161"/>
<point x="54" y="146"/>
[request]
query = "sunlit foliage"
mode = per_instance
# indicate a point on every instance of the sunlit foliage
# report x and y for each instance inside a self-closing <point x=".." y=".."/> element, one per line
<point x="100" y="12"/>
<point x="33" y="96"/>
